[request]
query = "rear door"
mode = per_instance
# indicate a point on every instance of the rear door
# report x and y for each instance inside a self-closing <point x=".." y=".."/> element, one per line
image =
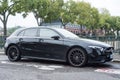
<point x="27" y="41"/>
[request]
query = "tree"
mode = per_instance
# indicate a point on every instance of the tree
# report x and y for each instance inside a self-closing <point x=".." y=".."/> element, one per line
<point x="80" y="12"/>
<point x="43" y="10"/>
<point x="54" y="10"/>
<point x="67" y="13"/>
<point x="93" y="20"/>
<point x="11" y="30"/>
<point x="114" y="24"/>
<point x="103" y="17"/>
<point x="40" y="10"/>
<point x="118" y="24"/>
<point x="6" y="9"/>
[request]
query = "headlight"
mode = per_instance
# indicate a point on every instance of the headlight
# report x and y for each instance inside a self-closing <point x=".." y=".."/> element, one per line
<point x="97" y="47"/>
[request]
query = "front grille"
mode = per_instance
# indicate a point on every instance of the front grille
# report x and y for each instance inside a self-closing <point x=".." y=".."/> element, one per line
<point x="108" y="50"/>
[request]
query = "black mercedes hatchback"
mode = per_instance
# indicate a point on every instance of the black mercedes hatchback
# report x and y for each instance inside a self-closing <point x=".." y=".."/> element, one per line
<point x="56" y="44"/>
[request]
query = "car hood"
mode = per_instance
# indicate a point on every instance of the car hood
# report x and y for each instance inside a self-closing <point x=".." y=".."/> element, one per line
<point x="89" y="42"/>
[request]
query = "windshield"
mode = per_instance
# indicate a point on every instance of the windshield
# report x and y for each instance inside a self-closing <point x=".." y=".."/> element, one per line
<point x="67" y="34"/>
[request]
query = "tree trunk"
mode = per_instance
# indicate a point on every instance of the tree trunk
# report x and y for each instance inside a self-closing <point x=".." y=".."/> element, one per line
<point x="118" y="32"/>
<point x="92" y="30"/>
<point x="5" y="28"/>
<point x="81" y="29"/>
<point x="39" y="21"/>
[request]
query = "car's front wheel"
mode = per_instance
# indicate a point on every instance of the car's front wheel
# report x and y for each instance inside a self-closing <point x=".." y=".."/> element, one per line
<point x="77" y="57"/>
<point x="13" y="53"/>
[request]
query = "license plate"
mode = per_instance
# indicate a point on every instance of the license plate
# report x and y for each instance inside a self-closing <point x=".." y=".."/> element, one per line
<point x="109" y="56"/>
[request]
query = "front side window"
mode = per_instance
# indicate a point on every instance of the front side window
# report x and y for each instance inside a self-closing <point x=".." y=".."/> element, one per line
<point x="28" y="32"/>
<point x="67" y="34"/>
<point x="47" y="33"/>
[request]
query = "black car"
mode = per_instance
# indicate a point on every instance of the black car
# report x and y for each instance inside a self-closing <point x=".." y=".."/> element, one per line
<point x="55" y="44"/>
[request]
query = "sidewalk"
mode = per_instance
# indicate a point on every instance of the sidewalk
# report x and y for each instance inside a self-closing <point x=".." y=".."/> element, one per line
<point x="116" y="56"/>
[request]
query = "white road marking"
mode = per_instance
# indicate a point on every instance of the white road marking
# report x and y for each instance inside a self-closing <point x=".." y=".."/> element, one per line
<point x="46" y="68"/>
<point x="35" y="66"/>
<point x="1" y="52"/>
<point x="55" y="66"/>
<point x="7" y="62"/>
<point x="107" y="70"/>
<point x="3" y="62"/>
<point x="41" y="67"/>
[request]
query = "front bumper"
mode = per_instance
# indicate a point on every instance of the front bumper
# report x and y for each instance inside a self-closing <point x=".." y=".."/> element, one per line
<point x="97" y="56"/>
<point x="100" y="59"/>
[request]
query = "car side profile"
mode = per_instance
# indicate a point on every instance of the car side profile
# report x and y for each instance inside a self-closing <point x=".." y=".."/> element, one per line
<point x="56" y="44"/>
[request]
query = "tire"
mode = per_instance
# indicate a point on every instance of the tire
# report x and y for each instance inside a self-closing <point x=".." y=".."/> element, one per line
<point x="77" y="57"/>
<point x="13" y="53"/>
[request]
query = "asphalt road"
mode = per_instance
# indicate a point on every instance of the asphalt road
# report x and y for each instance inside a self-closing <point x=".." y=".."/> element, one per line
<point x="28" y="69"/>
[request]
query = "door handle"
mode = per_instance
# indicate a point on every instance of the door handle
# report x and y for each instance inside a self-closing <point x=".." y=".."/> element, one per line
<point x="41" y="40"/>
<point x="21" y="39"/>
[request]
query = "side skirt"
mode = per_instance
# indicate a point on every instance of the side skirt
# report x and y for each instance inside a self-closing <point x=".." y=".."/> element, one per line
<point x="43" y="58"/>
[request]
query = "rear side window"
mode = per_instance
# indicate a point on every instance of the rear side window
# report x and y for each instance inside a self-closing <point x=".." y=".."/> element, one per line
<point x="28" y="32"/>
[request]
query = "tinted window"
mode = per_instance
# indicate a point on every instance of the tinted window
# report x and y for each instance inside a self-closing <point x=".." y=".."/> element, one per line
<point x="67" y="34"/>
<point x="30" y="32"/>
<point x="47" y="33"/>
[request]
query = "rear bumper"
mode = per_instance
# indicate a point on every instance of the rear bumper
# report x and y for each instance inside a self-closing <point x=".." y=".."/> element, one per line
<point x="5" y="48"/>
<point x="5" y="51"/>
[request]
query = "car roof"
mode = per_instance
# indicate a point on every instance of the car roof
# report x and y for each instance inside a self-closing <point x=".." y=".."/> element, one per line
<point x="38" y="27"/>
<point x="50" y="27"/>
<point x="53" y="27"/>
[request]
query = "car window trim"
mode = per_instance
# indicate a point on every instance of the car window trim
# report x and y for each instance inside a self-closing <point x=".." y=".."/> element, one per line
<point x="28" y="29"/>
<point x="49" y="29"/>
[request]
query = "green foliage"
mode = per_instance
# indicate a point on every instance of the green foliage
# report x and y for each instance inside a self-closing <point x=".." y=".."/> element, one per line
<point x="54" y="10"/>
<point x="93" y="21"/>
<point x="80" y="12"/>
<point x="104" y="15"/>
<point x="83" y="13"/>
<point x="114" y="22"/>
<point x="11" y="30"/>
<point x="6" y="9"/>
<point x="68" y="14"/>
<point x="43" y="10"/>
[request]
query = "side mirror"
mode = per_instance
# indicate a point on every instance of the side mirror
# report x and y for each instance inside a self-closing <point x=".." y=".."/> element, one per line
<point x="55" y="37"/>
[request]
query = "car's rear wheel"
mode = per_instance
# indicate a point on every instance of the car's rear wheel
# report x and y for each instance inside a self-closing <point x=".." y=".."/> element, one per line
<point x="13" y="53"/>
<point x="77" y="57"/>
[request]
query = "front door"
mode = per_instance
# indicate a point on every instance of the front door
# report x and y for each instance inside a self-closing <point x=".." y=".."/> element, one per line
<point x="50" y="47"/>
